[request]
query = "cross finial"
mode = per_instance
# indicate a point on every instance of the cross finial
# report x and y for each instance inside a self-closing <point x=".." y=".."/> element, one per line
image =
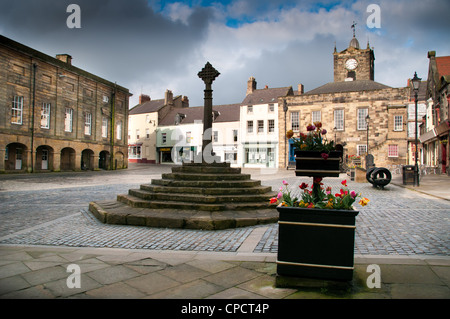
<point x="353" y="27"/>
<point x="208" y="73"/>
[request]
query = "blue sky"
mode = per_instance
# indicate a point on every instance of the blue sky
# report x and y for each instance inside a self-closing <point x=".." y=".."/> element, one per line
<point x="149" y="46"/>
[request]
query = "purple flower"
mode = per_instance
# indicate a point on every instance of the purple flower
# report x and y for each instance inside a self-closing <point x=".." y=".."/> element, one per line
<point x="324" y="131"/>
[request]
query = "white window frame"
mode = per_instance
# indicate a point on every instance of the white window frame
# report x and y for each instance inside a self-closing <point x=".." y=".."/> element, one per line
<point x="250" y="109"/>
<point x="295" y="121"/>
<point x="392" y="150"/>
<point x="271" y="108"/>
<point x="361" y="149"/>
<point x="260" y="126"/>
<point x="235" y="135"/>
<point x="249" y="126"/>
<point x="17" y="110"/>
<point x="398" y="123"/>
<point x="163" y="138"/>
<point x="138" y="134"/>
<point x="361" y="119"/>
<point x="119" y="130"/>
<point x="215" y="136"/>
<point x="316" y="116"/>
<point x="339" y="117"/>
<point x="68" y="119"/>
<point x="147" y="133"/>
<point x="105" y="127"/>
<point x="45" y="115"/>
<point x="271" y="126"/>
<point x="87" y="123"/>
<point x="188" y="137"/>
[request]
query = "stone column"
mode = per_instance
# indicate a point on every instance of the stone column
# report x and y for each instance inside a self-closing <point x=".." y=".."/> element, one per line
<point x="208" y="75"/>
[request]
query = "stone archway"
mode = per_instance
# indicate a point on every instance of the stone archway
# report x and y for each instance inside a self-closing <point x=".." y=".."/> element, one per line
<point x="104" y="160"/>
<point x="44" y="158"/>
<point x="16" y="157"/>
<point x="68" y="159"/>
<point x="87" y="159"/>
<point x="118" y="160"/>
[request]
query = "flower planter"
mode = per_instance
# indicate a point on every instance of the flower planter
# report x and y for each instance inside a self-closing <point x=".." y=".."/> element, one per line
<point x="312" y="163"/>
<point x="316" y="243"/>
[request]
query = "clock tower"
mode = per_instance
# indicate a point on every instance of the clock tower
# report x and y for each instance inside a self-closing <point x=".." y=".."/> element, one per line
<point x="354" y="63"/>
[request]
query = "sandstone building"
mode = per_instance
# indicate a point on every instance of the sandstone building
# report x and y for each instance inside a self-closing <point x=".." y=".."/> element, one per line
<point x="361" y="115"/>
<point x="55" y="116"/>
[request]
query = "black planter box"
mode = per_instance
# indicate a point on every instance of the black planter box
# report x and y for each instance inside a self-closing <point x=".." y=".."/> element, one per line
<point x="316" y="243"/>
<point x="311" y="163"/>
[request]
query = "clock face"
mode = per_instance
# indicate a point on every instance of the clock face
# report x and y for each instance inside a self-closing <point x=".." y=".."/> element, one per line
<point x="351" y="64"/>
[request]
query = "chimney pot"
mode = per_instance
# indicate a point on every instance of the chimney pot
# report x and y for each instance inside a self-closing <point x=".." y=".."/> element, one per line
<point x="301" y="89"/>
<point x="65" y="58"/>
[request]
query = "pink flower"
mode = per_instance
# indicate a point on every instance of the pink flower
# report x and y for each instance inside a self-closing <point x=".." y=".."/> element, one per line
<point x="280" y="194"/>
<point x="324" y="131"/>
<point x="285" y="183"/>
<point x="324" y="156"/>
<point x="310" y="128"/>
<point x="353" y="194"/>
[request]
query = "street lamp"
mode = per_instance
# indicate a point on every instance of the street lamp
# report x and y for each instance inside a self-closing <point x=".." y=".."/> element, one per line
<point x="416" y="84"/>
<point x="335" y="129"/>
<point x="367" y="126"/>
<point x="285" y="109"/>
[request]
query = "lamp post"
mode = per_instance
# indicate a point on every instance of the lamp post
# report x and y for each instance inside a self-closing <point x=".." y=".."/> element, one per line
<point x="416" y="84"/>
<point x="367" y="126"/>
<point x="285" y="109"/>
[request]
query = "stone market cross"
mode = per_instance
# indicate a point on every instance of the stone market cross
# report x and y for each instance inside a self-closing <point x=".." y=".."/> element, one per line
<point x="208" y="74"/>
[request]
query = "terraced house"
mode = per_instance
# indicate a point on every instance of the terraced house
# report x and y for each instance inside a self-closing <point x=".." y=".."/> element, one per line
<point x="55" y="116"/>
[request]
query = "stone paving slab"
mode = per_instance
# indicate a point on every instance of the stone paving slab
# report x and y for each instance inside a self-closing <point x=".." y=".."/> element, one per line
<point x="199" y="275"/>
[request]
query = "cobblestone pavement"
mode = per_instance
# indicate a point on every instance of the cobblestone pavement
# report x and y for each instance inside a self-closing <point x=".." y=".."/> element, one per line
<point x="51" y="209"/>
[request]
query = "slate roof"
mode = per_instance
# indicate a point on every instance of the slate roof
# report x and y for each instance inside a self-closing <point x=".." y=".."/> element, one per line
<point x="228" y="113"/>
<point x="443" y="65"/>
<point x="348" y="86"/>
<point x="147" y="107"/>
<point x="264" y="96"/>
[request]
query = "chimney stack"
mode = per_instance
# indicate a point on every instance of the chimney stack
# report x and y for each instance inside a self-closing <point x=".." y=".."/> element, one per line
<point x="168" y="97"/>
<point x="251" y="85"/>
<point x="301" y="89"/>
<point x="144" y="98"/>
<point x="184" y="101"/>
<point x="65" y="58"/>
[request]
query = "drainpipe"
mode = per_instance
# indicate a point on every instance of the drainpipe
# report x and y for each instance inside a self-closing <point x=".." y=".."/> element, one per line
<point x="32" y="117"/>
<point x="113" y="102"/>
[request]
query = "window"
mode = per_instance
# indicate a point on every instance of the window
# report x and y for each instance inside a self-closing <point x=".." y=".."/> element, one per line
<point x="250" y="109"/>
<point x="163" y="138"/>
<point x="271" y="126"/>
<point x="393" y="150"/>
<point x="215" y="136"/>
<point x="147" y="132"/>
<point x="260" y="126"/>
<point x="271" y="108"/>
<point x="398" y="123"/>
<point x="235" y="135"/>
<point x="119" y="130"/>
<point x="188" y="137"/>
<point x="135" y="152"/>
<point x="339" y="120"/>
<point x="45" y="115"/>
<point x="362" y="113"/>
<point x="17" y="110"/>
<point x="105" y="127"/>
<point x="87" y="123"/>
<point x="361" y="149"/>
<point x="137" y="134"/>
<point x="68" y="120"/>
<point x="316" y="116"/>
<point x="249" y="126"/>
<point x="295" y="123"/>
